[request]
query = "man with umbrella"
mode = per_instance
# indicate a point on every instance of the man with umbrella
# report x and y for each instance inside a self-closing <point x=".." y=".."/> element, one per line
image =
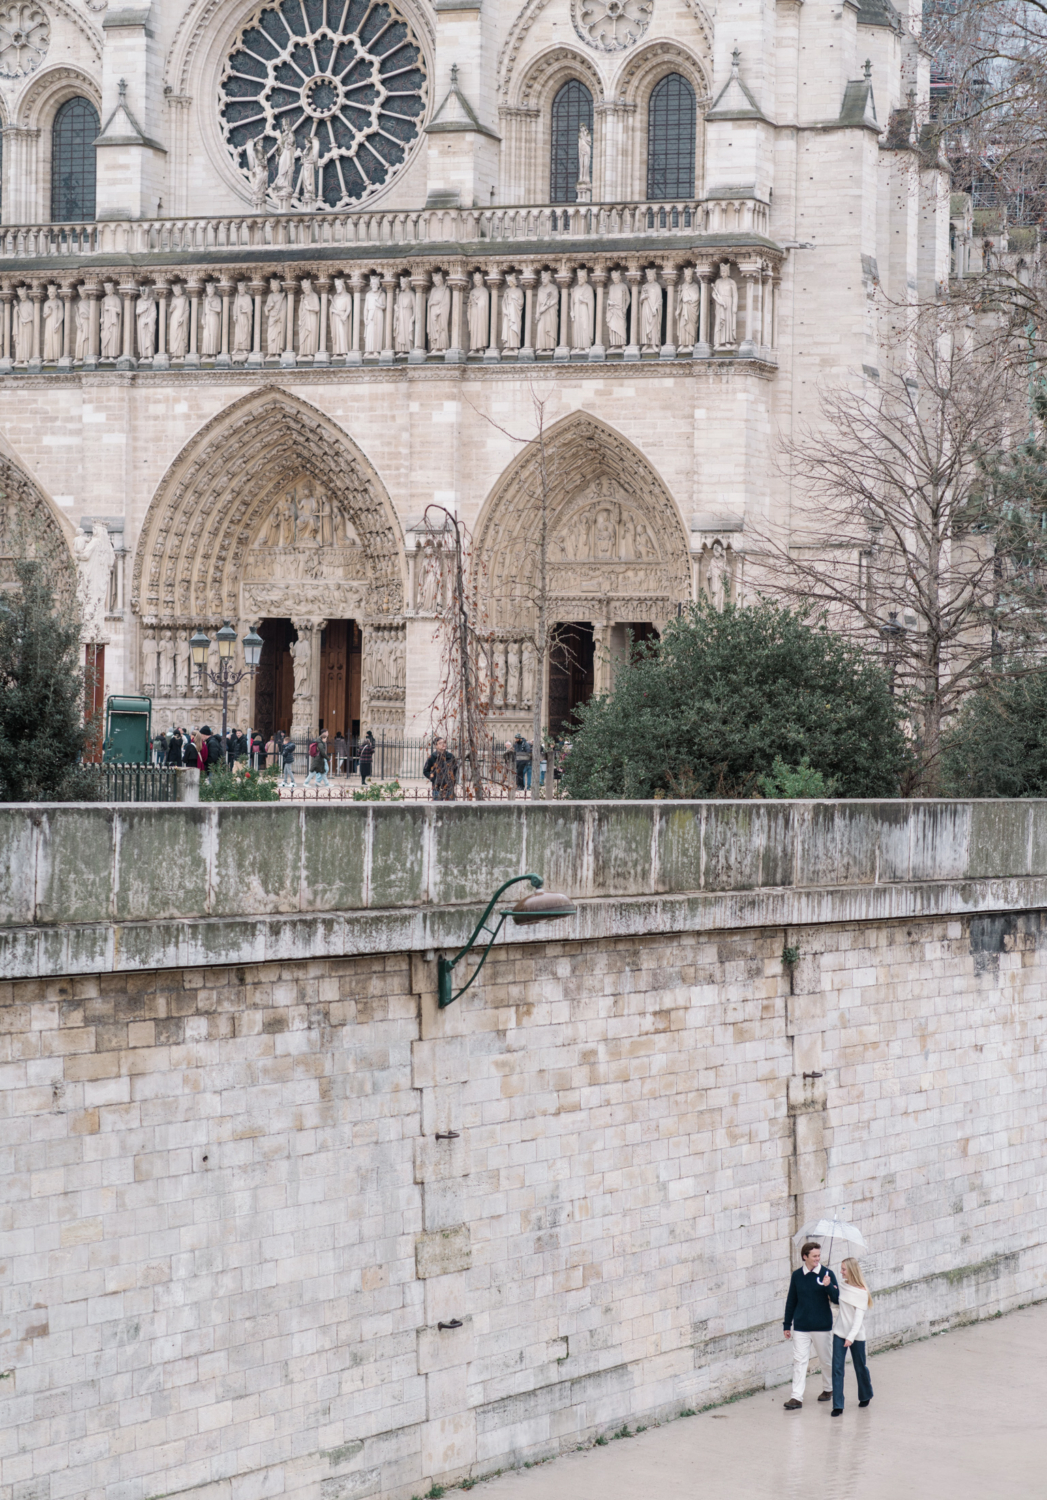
<point x="809" y="1321"/>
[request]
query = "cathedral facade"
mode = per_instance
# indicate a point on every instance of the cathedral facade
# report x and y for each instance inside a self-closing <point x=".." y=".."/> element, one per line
<point x="276" y="277"/>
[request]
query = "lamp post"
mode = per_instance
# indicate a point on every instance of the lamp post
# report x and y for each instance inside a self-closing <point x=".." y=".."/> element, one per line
<point x="893" y="635"/>
<point x="538" y="906"/>
<point x="225" y="678"/>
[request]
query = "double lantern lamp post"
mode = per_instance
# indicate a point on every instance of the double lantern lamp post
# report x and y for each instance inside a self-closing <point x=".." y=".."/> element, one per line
<point x="225" y="679"/>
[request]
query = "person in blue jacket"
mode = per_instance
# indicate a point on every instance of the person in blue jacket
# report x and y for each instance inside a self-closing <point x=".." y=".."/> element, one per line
<point x="809" y="1322"/>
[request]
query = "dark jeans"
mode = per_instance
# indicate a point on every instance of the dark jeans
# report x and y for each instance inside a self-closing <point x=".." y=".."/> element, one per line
<point x="365" y="771"/>
<point x="861" y="1370"/>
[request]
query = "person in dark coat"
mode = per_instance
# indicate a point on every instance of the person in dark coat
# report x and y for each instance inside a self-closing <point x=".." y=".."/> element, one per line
<point x="366" y="757"/>
<point x="285" y="750"/>
<point x="174" y="747"/>
<point x="441" y="770"/>
<point x="214" y="748"/>
<point x="190" y="754"/>
<point x="809" y="1322"/>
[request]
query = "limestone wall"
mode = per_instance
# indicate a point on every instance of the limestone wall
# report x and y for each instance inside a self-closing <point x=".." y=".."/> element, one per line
<point x="231" y="1231"/>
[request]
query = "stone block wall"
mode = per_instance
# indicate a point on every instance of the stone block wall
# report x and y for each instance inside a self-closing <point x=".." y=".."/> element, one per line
<point x="239" y="1202"/>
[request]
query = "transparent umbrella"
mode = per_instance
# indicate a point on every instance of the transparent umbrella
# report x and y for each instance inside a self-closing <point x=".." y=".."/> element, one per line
<point x="831" y="1229"/>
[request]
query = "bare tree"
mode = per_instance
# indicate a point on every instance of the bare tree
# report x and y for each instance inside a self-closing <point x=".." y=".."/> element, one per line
<point x="895" y="536"/>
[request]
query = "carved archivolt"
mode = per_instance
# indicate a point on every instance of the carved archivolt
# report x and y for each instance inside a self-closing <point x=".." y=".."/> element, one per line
<point x="220" y="495"/>
<point x="652" y="62"/>
<point x="51" y="88"/>
<point x="551" y="69"/>
<point x="617" y="549"/>
<point x="30" y="531"/>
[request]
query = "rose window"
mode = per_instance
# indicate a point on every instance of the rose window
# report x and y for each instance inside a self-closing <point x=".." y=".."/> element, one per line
<point x="611" y="25"/>
<point x="330" y="93"/>
<point x="24" y="34"/>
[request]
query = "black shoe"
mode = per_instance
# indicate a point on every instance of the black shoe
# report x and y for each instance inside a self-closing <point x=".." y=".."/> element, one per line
<point x="792" y="1404"/>
<point x="864" y="1403"/>
<point x="837" y="1411"/>
<point x="826" y="1396"/>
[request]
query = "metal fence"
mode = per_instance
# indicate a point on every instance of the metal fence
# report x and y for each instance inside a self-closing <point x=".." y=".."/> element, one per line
<point x="399" y="758"/>
<point x="121" y="783"/>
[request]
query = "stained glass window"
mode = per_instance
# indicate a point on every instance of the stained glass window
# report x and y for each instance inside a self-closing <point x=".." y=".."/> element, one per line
<point x="572" y="108"/>
<point x="73" y="161"/>
<point x="671" y="117"/>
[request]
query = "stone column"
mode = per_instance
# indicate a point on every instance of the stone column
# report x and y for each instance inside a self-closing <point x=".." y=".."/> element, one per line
<point x="599" y="281"/>
<point x="226" y="289"/>
<point x="563" y="279"/>
<point x="129" y="292"/>
<point x="161" y="359"/>
<point x="527" y="281"/>
<point x="37" y="293"/>
<point x="703" y="344"/>
<point x="306" y="706"/>
<point x="355" y="355"/>
<point x="669" y="276"/>
<point x="288" y="358"/>
<point x="747" y="348"/>
<point x="420" y="282"/>
<point x="192" y="358"/>
<point x="68" y="331"/>
<point x="632" y="349"/>
<point x="775" y="290"/>
<point x="256" y="358"/>
<point x="321" y="357"/>
<point x="7" y="296"/>
<point x="390" y="285"/>
<point x="93" y="292"/>
<point x="494" y="280"/>
<point x="458" y="282"/>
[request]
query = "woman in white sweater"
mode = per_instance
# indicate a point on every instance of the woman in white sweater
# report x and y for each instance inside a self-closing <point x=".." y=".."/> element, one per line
<point x="852" y="1301"/>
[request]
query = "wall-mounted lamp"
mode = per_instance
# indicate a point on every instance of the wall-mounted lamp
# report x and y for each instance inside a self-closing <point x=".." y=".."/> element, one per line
<point x="538" y="906"/>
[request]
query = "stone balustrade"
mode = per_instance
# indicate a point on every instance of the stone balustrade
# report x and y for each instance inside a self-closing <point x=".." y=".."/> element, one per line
<point x="713" y="300"/>
<point x="427" y="226"/>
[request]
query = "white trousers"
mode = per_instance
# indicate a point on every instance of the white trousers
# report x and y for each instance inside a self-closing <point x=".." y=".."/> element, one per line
<point x="802" y="1348"/>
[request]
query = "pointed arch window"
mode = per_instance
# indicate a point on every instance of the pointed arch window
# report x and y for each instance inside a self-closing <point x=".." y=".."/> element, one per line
<point x="73" y="161"/>
<point x="572" y="108"/>
<point x="671" y="138"/>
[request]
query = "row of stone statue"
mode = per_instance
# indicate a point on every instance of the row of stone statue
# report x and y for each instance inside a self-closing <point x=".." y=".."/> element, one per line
<point x="503" y="313"/>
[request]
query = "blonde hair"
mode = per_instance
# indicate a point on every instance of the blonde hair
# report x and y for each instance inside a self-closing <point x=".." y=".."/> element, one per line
<point x="855" y="1277"/>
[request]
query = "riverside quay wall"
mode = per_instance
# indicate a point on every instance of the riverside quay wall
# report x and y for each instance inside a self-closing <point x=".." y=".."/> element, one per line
<point x="275" y="1225"/>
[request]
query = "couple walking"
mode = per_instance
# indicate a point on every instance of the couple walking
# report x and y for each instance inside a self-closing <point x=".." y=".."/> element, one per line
<point x="813" y="1293"/>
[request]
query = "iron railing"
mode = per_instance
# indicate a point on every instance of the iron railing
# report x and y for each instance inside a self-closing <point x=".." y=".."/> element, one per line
<point x="137" y="783"/>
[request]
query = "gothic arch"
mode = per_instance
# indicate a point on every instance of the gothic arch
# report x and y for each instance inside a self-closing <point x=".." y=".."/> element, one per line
<point x="32" y="529"/>
<point x="216" y="495"/>
<point x="636" y="568"/>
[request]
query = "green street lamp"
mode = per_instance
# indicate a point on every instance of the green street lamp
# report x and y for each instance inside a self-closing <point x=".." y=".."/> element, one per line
<point x="225" y="679"/>
<point x="538" y="906"/>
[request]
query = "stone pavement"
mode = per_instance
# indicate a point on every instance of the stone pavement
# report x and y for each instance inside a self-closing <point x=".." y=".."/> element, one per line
<point x="962" y="1416"/>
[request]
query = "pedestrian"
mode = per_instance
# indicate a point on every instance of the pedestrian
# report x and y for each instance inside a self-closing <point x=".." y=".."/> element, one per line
<point x="190" y="754"/>
<point x="440" y="770"/>
<point x="852" y="1301"/>
<point x="257" y="751"/>
<point x="510" y="765"/>
<point x="366" y="757"/>
<point x="339" y="752"/>
<point x="214" y="748"/>
<point x="285" y="749"/>
<point x="809" y="1320"/>
<point x="174" y="747"/>
<point x="522" y="751"/>
<point x="318" y="761"/>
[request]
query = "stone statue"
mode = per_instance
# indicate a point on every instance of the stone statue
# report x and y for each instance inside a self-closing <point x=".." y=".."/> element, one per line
<point x="275" y="317"/>
<point x="211" y="307"/>
<point x="687" y="307"/>
<point x="617" y="311"/>
<point x="178" y="322"/>
<point x="546" y="308"/>
<point x="512" y="312"/>
<point x="374" y="316"/>
<point x="145" y="320"/>
<point x="438" y="320"/>
<point x="403" y="316"/>
<point x="512" y="675"/>
<point x="166" y="658"/>
<point x="479" y="313"/>
<point x="54" y="321"/>
<point x="527" y="672"/>
<point x="301" y="652"/>
<point x="585" y="155"/>
<point x="94" y="565"/>
<point x="310" y="159"/>
<point x="432" y="581"/>
<point x="111" y="321"/>
<point x="258" y="176"/>
<point x="308" y="319"/>
<point x="243" y="319"/>
<point x="23" y="316"/>
<point x="583" y="311"/>
<point x="725" y="295"/>
<point x="341" y="318"/>
<point x="83" y="326"/>
<point x="149" y="662"/>
<point x="283" y="184"/>
<point x="651" y="310"/>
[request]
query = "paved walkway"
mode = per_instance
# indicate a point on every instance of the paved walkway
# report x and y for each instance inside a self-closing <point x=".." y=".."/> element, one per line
<point x="959" y="1417"/>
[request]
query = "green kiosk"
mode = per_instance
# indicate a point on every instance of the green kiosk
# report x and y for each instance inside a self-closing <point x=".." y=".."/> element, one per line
<point x="128" y="727"/>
